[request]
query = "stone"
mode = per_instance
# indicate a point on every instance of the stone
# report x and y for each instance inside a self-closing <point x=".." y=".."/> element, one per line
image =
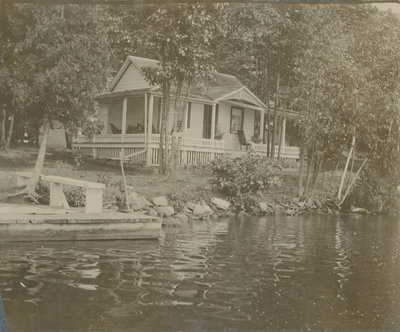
<point x="170" y="221"/>
<point x="198" y="211"/>
<point x="137" y="202"/>
<point x="160" y="201"/>
<point x="186" y="210"/>
<point x="165" y="211"/>
<point x="220" y="204"/>
<point x="207" y="210"/>
<point x="151" y="212"/>
<point x="191" y="205"/>
<point x="263" y="207"/>
<point x="182" y="217"/>
<point x="242" y="214"/>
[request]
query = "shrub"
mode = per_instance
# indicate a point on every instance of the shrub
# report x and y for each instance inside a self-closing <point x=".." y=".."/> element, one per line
<point x="76" y="197"/>
<point x="241" y="178"/>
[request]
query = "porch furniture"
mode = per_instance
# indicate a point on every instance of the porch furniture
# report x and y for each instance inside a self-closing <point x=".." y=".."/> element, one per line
<point x="242" y="140"/>
<point x="94" y="191"/>
<point x="114" y="129"/>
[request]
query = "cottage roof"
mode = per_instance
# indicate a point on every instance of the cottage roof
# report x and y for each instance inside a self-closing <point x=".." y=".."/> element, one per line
<point x="220" y="87"/>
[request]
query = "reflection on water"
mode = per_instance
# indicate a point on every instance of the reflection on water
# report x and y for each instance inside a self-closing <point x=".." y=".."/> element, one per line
<point x="256" y="273"/>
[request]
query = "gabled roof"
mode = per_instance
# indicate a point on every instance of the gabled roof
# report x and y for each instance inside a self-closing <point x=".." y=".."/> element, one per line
<point x="220" y="87"/>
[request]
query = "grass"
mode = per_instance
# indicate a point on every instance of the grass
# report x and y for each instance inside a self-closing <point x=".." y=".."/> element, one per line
<point x="145" y="181"/>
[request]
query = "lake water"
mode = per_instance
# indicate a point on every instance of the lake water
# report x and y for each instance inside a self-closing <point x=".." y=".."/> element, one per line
<point x="238" y="274"/>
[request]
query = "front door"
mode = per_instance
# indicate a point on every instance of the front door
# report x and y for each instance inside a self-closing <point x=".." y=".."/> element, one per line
<point x="207" y="121"/>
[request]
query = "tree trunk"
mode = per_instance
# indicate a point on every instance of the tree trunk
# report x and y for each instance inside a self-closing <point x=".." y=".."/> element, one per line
<point x="302" y="153"/>
<point x="275" y="117"/>
<point x="281" y="135"/>
<point x="10" y="132"/>
<point x="315" y="176"/>
<point x="269" y="130"/>
<point x="310" y="165"/>
<point x="345" y="168"/>
<point x="34" y="180"/>
<point x="174" y="139"/>
<point x="3" y="128"/>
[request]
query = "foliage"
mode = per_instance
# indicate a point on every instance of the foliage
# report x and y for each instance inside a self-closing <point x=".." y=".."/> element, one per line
<point x="197" y="194"/>
<point x="244" y="176"/>
<point x="76" y="196"/>
<point x="181" y="36"/>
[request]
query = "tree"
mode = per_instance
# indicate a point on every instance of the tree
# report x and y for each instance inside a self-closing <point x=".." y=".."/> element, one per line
<point x="60" y="68"/>
<point x="182" y="37"/>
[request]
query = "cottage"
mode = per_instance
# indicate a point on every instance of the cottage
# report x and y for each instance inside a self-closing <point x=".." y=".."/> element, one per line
<point x="131" y="112"/>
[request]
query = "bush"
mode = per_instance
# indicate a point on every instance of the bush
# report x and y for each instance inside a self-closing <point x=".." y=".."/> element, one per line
<point x="76" y="197"/>
<point x="376" y="193"/>
<point x="242" y="178"/>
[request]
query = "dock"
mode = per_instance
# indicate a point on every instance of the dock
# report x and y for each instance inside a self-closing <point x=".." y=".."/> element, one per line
<point x="25" y="222"/>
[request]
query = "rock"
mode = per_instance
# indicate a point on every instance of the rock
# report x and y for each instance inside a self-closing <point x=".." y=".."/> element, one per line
<point x="255" y="210"/>
<point x="207" y="210"/>
<point x="242" y="214"/>
<point x="198" y="211"/>
<point x="165" y="211"/>
<point x="358" y="210"/>
<point x="263" y="207"/>
<point x="170" y="221"/>
<point x="137" y="202"/>
<point x="182" y="217"/>
<point x="191" y="205"/>
<point x="151" y="212"/>
<point x="220" y="204"/>
<point x="186" y="210"/>
<point x="160" y="201"/>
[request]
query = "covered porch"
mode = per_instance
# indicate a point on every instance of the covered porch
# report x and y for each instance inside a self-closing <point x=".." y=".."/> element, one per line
<point x="131" y="129"/>
<point x="132" y="120"/>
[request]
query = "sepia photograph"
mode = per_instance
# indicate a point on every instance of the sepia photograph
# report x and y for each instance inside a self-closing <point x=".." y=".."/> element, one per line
<point x="179" y="166"/>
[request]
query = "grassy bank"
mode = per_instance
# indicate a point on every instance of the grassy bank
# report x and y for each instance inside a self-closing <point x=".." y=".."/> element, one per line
<point x="191" y="183"/>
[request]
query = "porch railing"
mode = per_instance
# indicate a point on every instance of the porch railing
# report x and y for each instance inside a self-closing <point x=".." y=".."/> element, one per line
<point x="288" y="152"/>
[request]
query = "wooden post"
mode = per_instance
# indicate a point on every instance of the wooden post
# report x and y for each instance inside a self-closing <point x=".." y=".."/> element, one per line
<point x="150" y="131"/>
<point x="145" y="125"/>
<point x="94" y="200"/>
<point x="213" y="121"/>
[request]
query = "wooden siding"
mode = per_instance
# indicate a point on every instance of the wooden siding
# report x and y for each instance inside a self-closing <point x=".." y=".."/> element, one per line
<point x="224" y="123"/>
<point x="196" y="121"/>
<point x="56" y="139"/>
<point x="131" y="79"/>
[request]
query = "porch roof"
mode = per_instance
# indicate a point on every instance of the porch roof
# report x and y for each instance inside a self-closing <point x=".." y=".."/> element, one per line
<point x="125" y="93"/>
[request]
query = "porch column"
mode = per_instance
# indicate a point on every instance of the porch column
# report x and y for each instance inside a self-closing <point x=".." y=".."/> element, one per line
<point x="262" y="129"/>
<point x="149" y="130"/>
<point x="124" y="109"/>
<point x="214" y="106"/>
<point x="123" y="129"/>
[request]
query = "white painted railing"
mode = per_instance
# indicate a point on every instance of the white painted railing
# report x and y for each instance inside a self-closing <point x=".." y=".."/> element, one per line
<point x="289" y="152"/>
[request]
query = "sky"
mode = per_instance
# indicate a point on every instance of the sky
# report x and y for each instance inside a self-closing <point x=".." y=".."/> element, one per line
<point x="394" y="7"/>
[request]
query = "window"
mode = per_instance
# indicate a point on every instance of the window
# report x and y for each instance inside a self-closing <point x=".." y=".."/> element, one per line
<point x="189" y="115"/>
<point x="236" y="119"/>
